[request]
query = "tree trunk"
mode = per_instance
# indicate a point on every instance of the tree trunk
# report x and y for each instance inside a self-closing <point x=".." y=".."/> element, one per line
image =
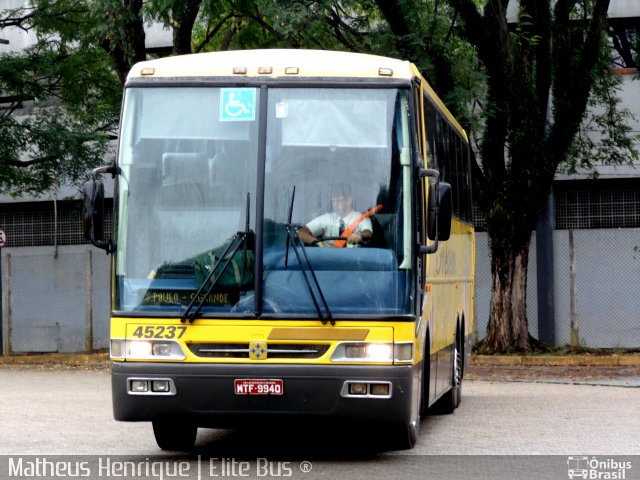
<point x="183" y="29"/>
<point x="508" y="331"/>
<point x="127" y="46"/>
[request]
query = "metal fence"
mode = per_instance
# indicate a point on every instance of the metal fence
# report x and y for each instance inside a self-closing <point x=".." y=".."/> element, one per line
<point x="61" y="303"/>
<point x="55" y="303"/>
<point x="604" y="287"/>
<point x="46" y="225"/>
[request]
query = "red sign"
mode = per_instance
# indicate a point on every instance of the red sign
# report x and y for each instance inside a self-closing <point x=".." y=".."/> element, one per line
<point x="3" y="238"/>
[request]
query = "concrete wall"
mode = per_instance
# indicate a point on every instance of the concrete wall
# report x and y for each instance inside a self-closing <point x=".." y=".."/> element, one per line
<point x="606" y="287"/>
<point x="48" y="301"/>
<point x="45" y="298"/>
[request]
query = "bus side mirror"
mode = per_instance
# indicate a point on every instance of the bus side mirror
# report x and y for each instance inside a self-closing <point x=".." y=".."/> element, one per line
<point x="93" y="214"/>
<point x="439" y="210"/>
<point x="444" y="212"/>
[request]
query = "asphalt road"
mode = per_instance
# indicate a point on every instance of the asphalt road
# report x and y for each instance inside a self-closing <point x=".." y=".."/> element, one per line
<point x="48" y="412"/>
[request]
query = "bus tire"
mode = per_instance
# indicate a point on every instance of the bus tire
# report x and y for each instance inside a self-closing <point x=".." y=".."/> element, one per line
<point x="426" y="378"/>
<point x="458" y="373"/>
<point x="451" y="399"/>
<point x="174" y="436"/>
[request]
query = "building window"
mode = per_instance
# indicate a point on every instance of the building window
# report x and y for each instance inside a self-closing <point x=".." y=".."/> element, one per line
<point x="591" y="208"/>
<point x="33" y="224"/>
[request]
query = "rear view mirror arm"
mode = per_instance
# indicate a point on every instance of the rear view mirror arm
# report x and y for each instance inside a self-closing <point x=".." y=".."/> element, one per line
<point x="112" y="169"/>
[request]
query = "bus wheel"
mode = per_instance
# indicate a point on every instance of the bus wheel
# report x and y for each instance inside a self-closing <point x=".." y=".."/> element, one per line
<point x="457" y="376"/>
<point x="174" y="436"/>
<point x="426" y="378"/>
<point x="450" y="400"/>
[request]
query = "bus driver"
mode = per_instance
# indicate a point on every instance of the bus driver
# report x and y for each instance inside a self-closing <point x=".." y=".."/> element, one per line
<point x="343" y="222"/>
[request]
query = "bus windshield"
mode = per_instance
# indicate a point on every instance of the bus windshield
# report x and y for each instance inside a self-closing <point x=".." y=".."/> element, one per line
<point x="190" y="167"/>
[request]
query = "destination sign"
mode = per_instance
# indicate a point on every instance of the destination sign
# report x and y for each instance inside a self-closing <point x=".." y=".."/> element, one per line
<point x="184" y="297"/>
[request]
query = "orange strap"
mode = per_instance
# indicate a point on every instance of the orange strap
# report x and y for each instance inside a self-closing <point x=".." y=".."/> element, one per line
<point x="352" y="227"/>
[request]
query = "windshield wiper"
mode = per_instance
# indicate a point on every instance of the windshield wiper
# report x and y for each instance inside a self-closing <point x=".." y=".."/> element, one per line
<point x="241" y="239"/>
<point x="292" y="235"/>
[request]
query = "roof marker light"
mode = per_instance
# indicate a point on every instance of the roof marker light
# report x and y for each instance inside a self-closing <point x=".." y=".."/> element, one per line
<point x="240" y="70"/>
<point x="265" y="70"/>
<point x="147" y="71"/>
<point x="291" y="71"/>
<point x="385" y="72"/>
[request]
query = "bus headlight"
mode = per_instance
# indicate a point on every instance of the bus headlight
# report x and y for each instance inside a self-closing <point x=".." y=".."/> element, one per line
<point x="138" y="349"/>
<point x="355" y="351"/>
<point x="363" y="352"/>
<point x="117" y="348"/>
<point x="380" y="352"/>
<point x="397" y="353"/>
<point x="153" y="350"/>
<point x="164" y="349"/>
<point x="403" y="352"/>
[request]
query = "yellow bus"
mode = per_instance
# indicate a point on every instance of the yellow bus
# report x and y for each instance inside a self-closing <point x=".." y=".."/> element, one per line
<point x="292" y="241"/>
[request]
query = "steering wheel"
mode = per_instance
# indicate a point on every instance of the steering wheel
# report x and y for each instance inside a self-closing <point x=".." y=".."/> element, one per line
<point x="327" y="239"/>
<point x="362" y="243"/>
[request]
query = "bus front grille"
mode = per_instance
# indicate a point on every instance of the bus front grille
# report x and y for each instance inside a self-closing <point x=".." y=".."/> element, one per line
<point x="241" y="350"/>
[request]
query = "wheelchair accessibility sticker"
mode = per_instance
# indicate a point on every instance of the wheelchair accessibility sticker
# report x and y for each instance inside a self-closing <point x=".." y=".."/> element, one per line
<point x="237" y="104"/>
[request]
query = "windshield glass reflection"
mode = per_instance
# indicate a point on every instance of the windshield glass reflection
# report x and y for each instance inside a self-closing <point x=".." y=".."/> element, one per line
<point x="340" y="149"/>
<point x="188" y="180"/>
<point x="186" y="172"/>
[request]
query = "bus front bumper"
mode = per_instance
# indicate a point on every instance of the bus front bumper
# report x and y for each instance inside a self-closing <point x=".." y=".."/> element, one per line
<point x="205" y="394"/>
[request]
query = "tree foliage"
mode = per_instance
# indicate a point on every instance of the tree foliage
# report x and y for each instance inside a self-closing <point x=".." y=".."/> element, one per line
<point x="60" y="101"/>
<point x="62" y="94"/>
<point x="606" y="135"/>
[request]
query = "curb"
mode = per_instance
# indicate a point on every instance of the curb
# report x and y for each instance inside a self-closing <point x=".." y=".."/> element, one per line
<point x="615" y="360"/>
<point x="55" y="358"/>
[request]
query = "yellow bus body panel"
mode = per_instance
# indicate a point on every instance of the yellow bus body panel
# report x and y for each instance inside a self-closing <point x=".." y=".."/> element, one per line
<point x="450" y="286"/>
<point x="242" y="331"/>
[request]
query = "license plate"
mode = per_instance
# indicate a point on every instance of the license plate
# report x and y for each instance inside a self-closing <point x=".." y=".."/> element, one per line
<point x="258" y="386"/>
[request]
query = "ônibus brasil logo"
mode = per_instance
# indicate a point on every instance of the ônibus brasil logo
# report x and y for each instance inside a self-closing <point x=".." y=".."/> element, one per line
<point x="593" y="468"/>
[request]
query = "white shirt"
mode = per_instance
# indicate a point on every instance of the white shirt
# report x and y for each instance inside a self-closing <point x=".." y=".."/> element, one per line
<point x="328" y="224"/>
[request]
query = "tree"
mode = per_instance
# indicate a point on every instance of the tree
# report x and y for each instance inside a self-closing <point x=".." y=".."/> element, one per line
<point x="117" y="26"/>
<point x="61" y="101"/>
<point x="541" y="72"/>
<point x="534" y="78"/>
<point x="64" y="91"/>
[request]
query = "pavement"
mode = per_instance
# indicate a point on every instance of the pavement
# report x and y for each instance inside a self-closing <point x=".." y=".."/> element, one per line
<point x="611" y="369"/>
